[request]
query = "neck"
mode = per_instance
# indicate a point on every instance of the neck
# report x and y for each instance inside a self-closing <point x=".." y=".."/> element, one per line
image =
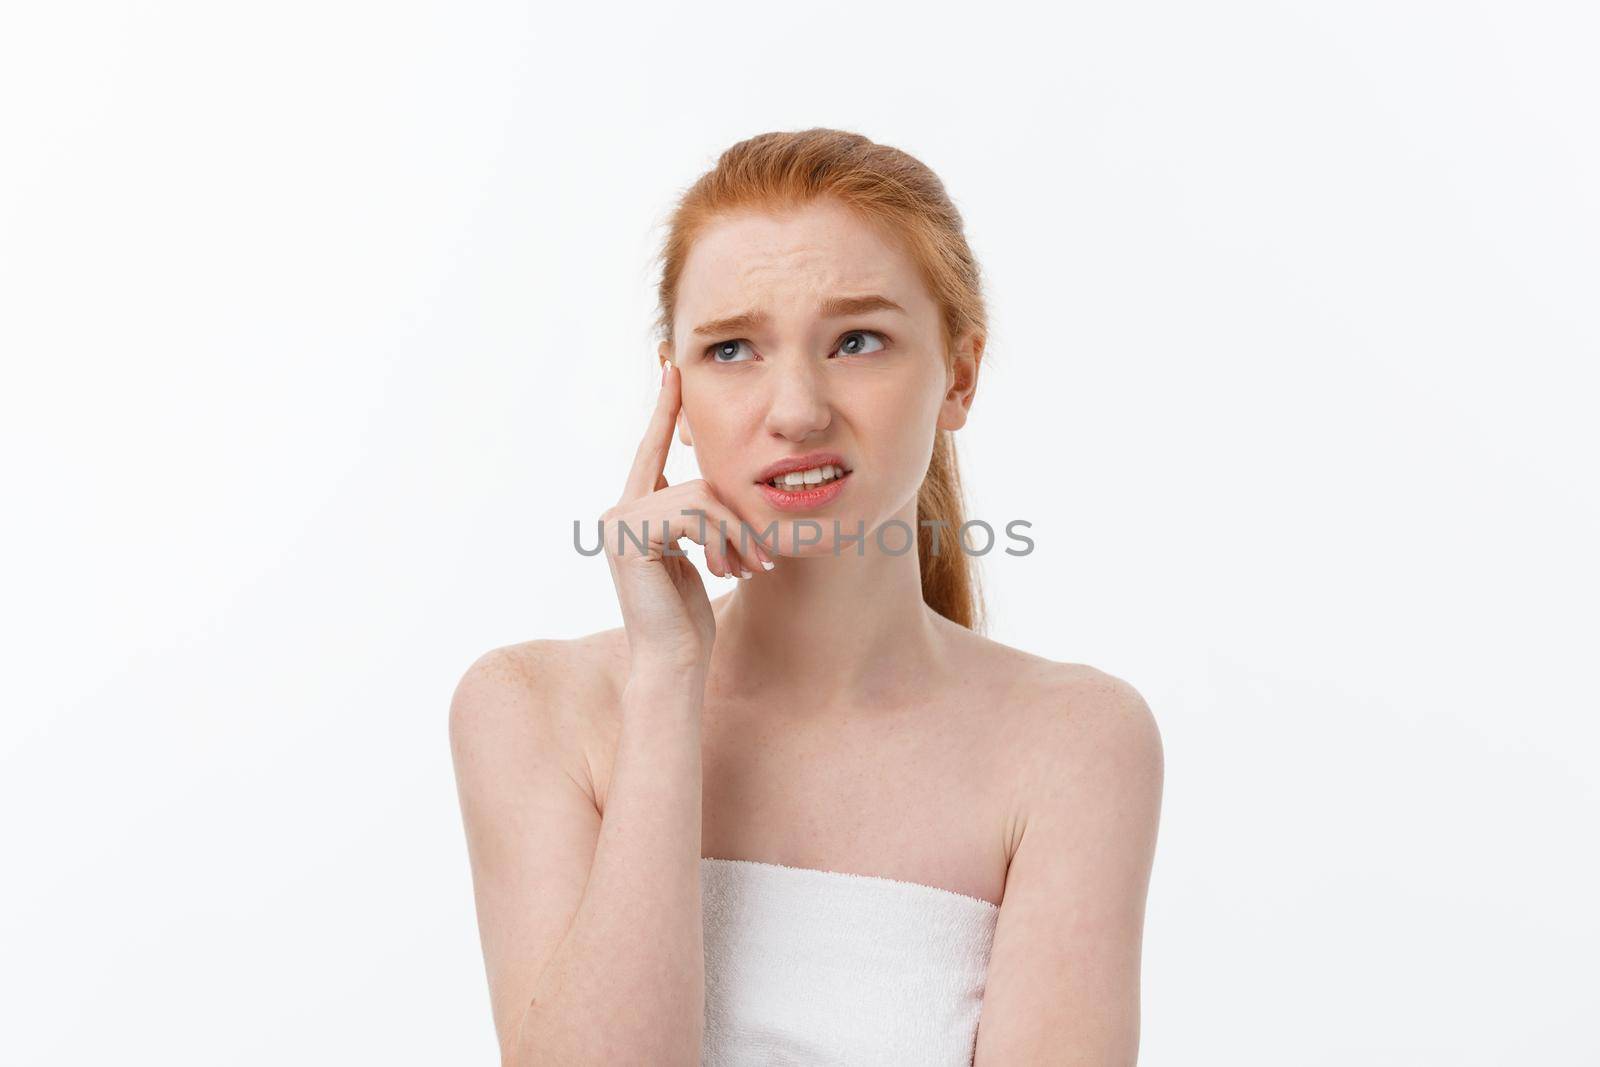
<point x="828" y="632"/>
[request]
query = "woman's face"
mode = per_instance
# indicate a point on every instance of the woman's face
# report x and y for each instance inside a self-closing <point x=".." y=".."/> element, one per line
<point x="775" y="365"/>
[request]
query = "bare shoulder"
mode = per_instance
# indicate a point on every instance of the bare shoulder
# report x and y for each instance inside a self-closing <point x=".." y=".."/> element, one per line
<point x="1082" y="705"/>
<point x="1092" y="732"/>
<point x="1069" y="718"/>
<point x="572" y="662"/>
<point x="546" y="692"/>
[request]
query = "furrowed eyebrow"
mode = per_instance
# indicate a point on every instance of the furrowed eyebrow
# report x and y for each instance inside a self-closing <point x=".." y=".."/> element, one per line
<point x="832" y="308"/>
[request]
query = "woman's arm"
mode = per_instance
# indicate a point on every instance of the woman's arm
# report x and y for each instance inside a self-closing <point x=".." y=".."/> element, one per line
<point x="1063" y="983"/>
<point x="591" y="928"/>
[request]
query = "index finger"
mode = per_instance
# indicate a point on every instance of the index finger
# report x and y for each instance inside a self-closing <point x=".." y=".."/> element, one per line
<point x="650" y="461"/>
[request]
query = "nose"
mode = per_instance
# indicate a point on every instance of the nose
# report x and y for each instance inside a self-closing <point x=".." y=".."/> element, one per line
<point x="798" y="405"/>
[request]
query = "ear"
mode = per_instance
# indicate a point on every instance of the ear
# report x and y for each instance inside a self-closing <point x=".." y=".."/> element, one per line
<point x="961" y="382"/>
<point x="664" y="354"/>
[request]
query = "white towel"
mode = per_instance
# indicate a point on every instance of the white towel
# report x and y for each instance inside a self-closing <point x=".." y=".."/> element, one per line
<point x="817" y="968"/>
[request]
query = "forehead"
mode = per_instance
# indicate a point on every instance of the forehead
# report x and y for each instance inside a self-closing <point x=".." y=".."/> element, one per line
<point x="754" y="261"/>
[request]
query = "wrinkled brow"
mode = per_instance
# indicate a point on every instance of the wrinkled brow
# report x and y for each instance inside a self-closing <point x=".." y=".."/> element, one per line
<point x="832" y="308"/>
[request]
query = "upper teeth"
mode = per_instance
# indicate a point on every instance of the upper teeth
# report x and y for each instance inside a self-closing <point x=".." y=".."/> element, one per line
<point x="813" y="476"/>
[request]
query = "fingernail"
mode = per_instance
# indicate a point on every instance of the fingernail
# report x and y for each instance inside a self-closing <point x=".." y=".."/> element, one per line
<point x="767" y="563"/>
<point x="746" y="574"/>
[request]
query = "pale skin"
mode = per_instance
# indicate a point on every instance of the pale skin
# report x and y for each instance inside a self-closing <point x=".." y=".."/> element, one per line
<point x="842" y="724"/>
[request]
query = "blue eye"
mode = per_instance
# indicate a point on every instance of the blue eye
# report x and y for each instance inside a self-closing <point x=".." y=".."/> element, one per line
<point x="716" y="351"/>
<point x="848" y="346"/>
<point x="845" y="348"/>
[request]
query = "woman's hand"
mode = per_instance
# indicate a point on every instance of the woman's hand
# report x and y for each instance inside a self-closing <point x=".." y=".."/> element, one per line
<point x="665" y="610"/>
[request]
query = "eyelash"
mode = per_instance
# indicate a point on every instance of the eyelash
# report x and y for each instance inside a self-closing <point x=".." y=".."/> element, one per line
<point x="733" y="340"/>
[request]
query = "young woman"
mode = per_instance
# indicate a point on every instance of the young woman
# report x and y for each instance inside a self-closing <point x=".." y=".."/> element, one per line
<point x="819" y="819"/>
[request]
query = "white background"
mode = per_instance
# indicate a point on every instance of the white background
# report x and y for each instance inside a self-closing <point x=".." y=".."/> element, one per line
<point x="322" y="322"/>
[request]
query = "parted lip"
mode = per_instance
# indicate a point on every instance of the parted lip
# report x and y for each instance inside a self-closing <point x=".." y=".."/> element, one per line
<point x="800" y="463"/>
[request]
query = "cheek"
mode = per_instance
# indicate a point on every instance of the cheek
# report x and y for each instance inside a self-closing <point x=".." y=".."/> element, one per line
<point x="713" y="433"/>
<point x="722" y="411"/>
<point x="700" y="417"/>
<point x="906" y="409"/>
<point x="896" y="445"/>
